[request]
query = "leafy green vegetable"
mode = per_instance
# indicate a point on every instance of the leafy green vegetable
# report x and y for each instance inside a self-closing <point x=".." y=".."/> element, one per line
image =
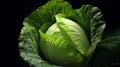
<point x="55" y="35"/>
<point x="65" y="43"/>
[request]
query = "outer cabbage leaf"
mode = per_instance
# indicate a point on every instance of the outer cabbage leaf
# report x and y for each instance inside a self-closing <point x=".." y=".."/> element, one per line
<point x="29" y="48"/>
<point x="107" y="53"/>
<point x="91" y="19"/>
<point x="47" y="12"/>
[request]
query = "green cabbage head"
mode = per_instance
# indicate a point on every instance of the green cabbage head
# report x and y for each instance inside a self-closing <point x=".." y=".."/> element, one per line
<point x="65" y="40"/>
<point x="56" y="35"/>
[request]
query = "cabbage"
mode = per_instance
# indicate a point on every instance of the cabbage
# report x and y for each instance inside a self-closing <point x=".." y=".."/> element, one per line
<point x="64" y="39"/>
<point x="56" y="35"/>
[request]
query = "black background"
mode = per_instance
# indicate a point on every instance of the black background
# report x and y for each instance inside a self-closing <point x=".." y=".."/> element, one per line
<point x="14" y="12"/>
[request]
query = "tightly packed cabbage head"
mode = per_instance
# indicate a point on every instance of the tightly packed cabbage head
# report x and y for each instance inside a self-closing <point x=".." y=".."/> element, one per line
<point x="56" y="35"/>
